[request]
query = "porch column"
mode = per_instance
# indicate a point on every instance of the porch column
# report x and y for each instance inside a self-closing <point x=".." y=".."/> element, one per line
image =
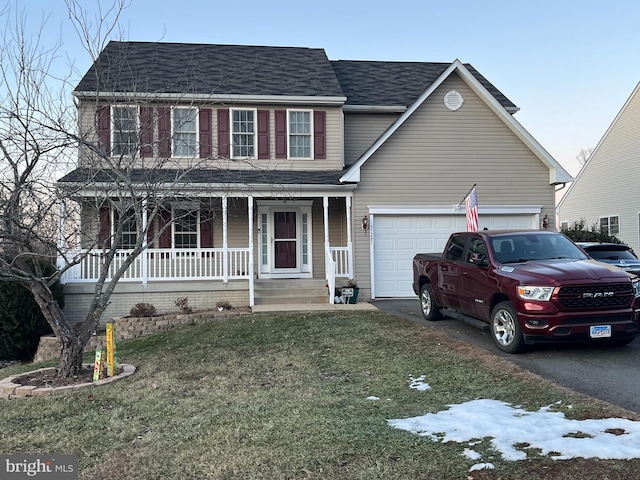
<point x="62" y="215"/>
<point x="251" y="264"/>
<point x="349" y="236"/>
<point x="225" y="242"/>
<point x="325" y="205"/>
<point x="144" y="261"/>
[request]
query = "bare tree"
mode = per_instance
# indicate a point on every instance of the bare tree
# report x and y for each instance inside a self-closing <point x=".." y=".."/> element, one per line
<point x="584" y="155"/>
<point x="42" y="137"/>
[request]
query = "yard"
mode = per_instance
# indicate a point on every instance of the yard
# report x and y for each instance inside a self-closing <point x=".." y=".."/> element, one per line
<point x="297" y="396"/>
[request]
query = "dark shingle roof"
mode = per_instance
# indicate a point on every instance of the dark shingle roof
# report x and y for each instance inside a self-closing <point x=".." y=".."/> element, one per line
<point x="150" y="67"/>
<point x="376" y="83"/>
<point x="208" y="176"/>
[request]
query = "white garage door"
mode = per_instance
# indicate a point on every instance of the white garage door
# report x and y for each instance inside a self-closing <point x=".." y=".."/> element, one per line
<point x="396" y="239"/>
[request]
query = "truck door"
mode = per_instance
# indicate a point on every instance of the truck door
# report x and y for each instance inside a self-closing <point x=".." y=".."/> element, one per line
<point x="475" y="276"/>
<point x="450" y="272"/>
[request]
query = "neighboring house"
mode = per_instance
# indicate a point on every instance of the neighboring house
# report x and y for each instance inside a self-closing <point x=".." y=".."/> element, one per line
<point x="604" y="190"/>
<point x="314" y="170"/>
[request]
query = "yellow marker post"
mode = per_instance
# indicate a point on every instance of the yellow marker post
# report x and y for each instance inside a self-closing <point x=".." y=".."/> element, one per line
<point x="111" y="349"/>
<point x="98" y="365"/>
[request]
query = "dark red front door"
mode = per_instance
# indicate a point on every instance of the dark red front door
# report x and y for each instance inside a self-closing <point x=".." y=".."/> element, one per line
<point x="285" y="239"/>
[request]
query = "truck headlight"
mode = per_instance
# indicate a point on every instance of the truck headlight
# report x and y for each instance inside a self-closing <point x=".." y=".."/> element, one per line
<point x="530" y="292"/>
<point x="636" y="287"/>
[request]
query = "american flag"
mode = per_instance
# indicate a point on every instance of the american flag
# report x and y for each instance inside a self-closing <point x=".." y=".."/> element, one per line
<point x="471" y="210"/>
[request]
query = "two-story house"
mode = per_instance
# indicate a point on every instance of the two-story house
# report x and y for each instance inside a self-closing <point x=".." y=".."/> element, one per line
<point x="294" y="167"/>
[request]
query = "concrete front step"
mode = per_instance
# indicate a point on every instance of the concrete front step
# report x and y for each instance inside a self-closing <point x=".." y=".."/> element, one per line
<point x="290" y="291"/>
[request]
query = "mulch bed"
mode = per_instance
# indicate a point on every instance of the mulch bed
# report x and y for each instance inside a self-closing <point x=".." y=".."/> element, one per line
<point x="49" y="378"/>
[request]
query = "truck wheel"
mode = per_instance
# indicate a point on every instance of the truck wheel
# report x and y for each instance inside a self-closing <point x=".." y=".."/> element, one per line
<point x="505" y="330"/>
<point x="430" y="309"/>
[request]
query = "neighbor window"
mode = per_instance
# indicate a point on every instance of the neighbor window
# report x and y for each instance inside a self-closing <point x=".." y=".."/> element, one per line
<point x="185" y="132"/>
<point x="610" y="225"/>
<point x="300" y="129"/>
<point x="243" y="133"/>
<point x="185" y="228"/>
<point x="125" y="139"/>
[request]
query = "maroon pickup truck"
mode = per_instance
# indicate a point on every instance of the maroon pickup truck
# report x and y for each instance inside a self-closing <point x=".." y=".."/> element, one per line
<point x="528" y="287"/>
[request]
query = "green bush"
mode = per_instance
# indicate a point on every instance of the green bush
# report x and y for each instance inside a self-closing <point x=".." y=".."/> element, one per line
<point x="21" y="321"/>
<point x="579" y="232"/>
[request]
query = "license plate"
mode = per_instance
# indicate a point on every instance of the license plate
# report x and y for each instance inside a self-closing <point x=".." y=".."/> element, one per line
<point x="600" y="331"/>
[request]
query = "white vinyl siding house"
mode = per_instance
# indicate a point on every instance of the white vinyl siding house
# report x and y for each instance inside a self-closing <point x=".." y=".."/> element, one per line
<point x="605" y="190"/>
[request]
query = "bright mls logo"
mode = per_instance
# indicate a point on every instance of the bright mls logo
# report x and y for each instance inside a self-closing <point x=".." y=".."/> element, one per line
<point x="51" y="467"/>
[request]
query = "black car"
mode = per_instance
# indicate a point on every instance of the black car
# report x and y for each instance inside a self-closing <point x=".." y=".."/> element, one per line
<point x="617" y="254"/>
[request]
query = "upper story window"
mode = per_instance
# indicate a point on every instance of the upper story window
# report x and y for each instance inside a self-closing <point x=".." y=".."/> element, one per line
<point x="300" y="129"/>
<point x="125" y="139"/>
<point x="243" y="133"/>
<point x="610" y="225"/>
<point x="185" y="132"/>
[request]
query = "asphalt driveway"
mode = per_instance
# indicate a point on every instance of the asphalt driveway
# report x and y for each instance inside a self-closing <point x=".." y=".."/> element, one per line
<point x="607" y="373"/>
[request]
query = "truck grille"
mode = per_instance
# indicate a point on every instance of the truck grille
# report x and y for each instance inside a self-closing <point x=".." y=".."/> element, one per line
<point x="596" y="296"/>
<point x="599" y="320"/>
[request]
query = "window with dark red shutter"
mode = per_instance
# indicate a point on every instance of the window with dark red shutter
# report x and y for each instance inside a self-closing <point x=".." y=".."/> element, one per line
<point x="263" y="134"/>
<point x="104" y="235"/>
<point x="206" y="229"/>
<point x="165" y="223"/>
<point x="104" y="128"/>
<point x="281" y="133"/>
<point x="164" y="132"/>
<point x="205" y="133"/>
<point x="223" y="133"/>
<point x="319" y="135"/>
<point x="146" y="132"/>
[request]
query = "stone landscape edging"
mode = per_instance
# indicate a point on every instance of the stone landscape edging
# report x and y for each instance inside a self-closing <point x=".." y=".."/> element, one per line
<point x="11" y="390"/>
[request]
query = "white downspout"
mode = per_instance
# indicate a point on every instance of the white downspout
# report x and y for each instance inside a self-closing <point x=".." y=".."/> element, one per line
<point x="225" y="242"/>
<point x="349" y="236"/>
<point x="144" y="261"/>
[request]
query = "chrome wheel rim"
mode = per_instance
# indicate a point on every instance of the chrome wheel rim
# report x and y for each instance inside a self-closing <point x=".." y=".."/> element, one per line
<point x="426" y="302"/>
<point x="504" y="327"/>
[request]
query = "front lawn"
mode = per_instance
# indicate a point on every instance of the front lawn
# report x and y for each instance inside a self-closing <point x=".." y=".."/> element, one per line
<point x="291" y="396"/>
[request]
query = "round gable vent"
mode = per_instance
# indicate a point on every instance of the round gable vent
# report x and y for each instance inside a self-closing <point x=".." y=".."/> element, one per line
<point x="453" y="100"/>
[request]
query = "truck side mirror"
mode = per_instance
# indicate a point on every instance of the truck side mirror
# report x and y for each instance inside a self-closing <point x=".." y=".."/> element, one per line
<point x="478" y="259"/>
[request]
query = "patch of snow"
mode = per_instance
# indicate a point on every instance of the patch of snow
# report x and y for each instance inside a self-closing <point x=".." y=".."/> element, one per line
<point x="482" y="466"/>
<point x="373" y="398"/>
<point x="507" y="426"/>
<point x="418" y="383"/>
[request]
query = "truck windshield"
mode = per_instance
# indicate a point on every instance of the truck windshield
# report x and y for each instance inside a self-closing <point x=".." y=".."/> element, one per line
<point x="534" y="246"/>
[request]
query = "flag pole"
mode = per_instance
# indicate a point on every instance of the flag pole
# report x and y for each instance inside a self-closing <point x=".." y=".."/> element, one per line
<point x="465" y="197"/>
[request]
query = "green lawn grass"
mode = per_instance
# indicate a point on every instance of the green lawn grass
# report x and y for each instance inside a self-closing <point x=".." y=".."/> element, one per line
<point x="284" y="396"/>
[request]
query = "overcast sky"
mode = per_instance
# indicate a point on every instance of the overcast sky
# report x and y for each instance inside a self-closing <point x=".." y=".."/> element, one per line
<point x="569" y="65"/>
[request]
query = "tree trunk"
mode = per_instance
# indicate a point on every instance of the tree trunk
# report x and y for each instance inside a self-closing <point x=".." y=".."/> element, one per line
<point x="71" y="356"/>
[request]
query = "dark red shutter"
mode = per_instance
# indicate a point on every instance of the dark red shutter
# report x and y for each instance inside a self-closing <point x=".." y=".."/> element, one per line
<point x="263" y="134"/>
<point x="164" y="132"/>
<point x="281" y="133"/>
<point x="206" y="229"/>
<point x="165" y="236"/>
<point x="146" y="132"/>
<point x="104" y="235"/>
<point x="223" y="133"/>
<point x="104" y="128"/>
<point x="205" y="133"/>
<point x="319" y="135"/>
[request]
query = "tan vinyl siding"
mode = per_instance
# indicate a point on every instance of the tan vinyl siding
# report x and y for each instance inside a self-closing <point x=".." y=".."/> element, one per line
<point x="607" y="184"/>
<point x="435" y="157"/>
<point x="361" y="130"/>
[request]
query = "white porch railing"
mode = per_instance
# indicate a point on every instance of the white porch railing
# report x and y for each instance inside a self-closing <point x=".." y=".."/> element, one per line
<point x="340" y="257"/>
<point x="160" y="264"/>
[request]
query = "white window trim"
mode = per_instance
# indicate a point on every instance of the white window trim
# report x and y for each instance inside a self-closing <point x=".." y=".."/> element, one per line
<point x="112" y="119"/>
<point x="173" y="225"/>
<point x="255" y="133"/>
<point x="311" y="135"/>
<point x="173" y="143"/>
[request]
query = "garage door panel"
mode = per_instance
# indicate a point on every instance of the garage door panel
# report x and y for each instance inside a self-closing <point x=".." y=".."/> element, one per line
<point x="398" y="238"/>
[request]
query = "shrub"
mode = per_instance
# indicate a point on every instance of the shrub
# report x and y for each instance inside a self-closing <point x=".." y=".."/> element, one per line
<point x="578" y="231"/>
<point x="183" y="305"/>
<point x="143" y="310"/>
<point x="21" y="320"/>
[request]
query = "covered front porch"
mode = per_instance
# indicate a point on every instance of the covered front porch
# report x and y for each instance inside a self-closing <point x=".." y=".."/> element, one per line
<point x="254" y="238"/>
